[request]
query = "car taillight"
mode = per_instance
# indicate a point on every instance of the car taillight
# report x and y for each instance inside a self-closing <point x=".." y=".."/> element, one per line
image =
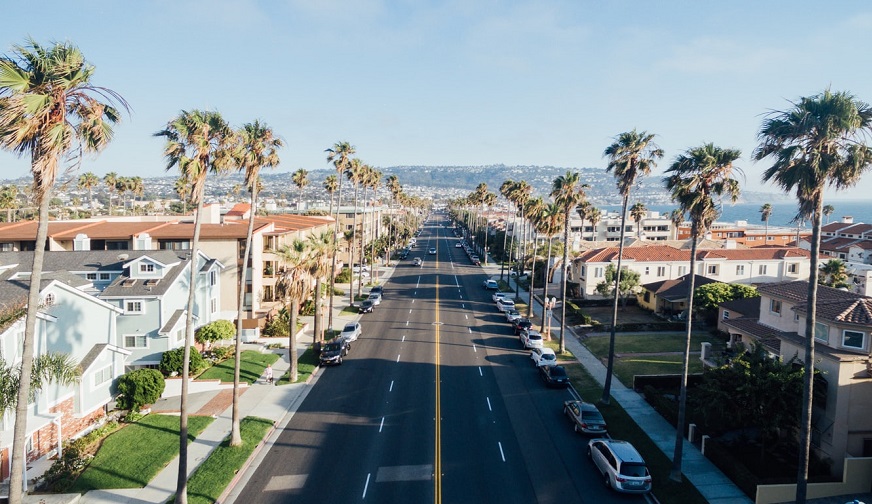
<point x="620" y="479"/>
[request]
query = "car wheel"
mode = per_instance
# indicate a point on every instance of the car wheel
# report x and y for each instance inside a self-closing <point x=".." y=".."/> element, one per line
<point x="339" y="362"/>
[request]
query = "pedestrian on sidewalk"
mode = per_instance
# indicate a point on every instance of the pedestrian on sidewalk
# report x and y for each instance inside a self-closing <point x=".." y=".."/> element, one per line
<point x="268" y="374"/>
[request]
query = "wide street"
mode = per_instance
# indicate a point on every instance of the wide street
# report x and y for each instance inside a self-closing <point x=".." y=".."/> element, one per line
<point x="436" y="402"/>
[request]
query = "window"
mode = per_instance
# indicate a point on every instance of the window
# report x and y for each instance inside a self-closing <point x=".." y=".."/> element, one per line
<point x="775" y="306"/>
<point x="853" y="339"/>
<point x="740" y="269"/>
<point x="793" y="268"/>
<point x="647" y="296"/>
<point x="661" y="271"/>
<point x="726" y="315"/>
<point x="133" y="307"/>
<point x="6" y="247"/>
<point x="213" y="278"/>
<point x="135" y="341"/>
<point x="104" y="276"/>
<point x="91" y="276"/>
<point x="146" y="268"/>
<point x="598" y="272"/>
<point x="821" y="332"/>
<point x="213" y="305"/>
<point x="712" y="269"/>
<point x="180" y="335"/>
<point x="49" y="299"/>
<point x="770" y="238"/>
<point x="647" y="270"/>
<point x="761" y="270"/>
<point x="682" y="270"/>
<point x="102" y="376"/>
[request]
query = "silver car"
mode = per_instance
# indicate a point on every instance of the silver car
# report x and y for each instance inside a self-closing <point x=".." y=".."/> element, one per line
<point x="621" y="466"/>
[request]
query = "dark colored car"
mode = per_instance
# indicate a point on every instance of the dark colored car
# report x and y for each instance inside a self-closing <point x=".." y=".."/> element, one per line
<point x="585" y="417"/>
<point x="366" y="306"/>
<point x="554" y="376"/>
<point x="334" y="351"/>
<point x="521" y="324"/>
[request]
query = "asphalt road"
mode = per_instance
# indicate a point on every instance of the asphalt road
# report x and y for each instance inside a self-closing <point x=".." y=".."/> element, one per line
<point x="436" y="403"/>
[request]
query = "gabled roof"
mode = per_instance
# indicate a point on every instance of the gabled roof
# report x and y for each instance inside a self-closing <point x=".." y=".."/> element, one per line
<point x="857" y="311"/>
<point x="834" y="227"/>
<point x="676" y="289"/>
<point x="172" y="322"/>
<point x="856" y="229"/>
<point x="769" y="337"/>
<point x="748" y="307"/>
<point x="797" y="292"/>
<point x="663" y="253"/>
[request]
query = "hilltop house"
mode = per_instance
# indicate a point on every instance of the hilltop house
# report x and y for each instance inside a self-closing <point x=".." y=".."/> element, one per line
<point x="841" y="418"/>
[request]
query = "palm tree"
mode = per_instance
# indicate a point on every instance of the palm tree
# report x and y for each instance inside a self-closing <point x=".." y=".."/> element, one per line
<point x="638" y="212"/>
<point x="9" y="199"/>
<point x="677" y="217"/>
<point x="136" y="188"/>
<point x="49" y="109"/>
<point x="594" y="215"/>
<point x="827" y="211"/>
<point x="818" y="142"/>
<point x="394" y="187"/>
<point x="197" y="143"/>
<point x="520" y="195"/>
<point x="698" y="180"/>
<point x="549" y="223"/>
<point x="568" y="192"/>
<point x="582" y="210"/>
<point x="632" y="155"/>
<point x="257" y="147"/>
<point x="89" y="181"/>
<point x="489" y="200"/>
<point x="355" y="175"/>
<point x="182" y="187"/>
<point x="111" y="181"/>
<point x="532" y="213"/>
<point x="765" y="213"/>
<point x="293" y="286"/>
<point x="340" y="155"/>
<point x="301" y="180"/>
<point x="834" y="274"/>
<point x="319" y="246"/>
<point x="506" y="189"/>
<point x="375" y="178"/>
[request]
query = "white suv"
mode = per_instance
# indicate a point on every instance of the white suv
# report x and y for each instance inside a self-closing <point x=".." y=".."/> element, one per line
<point x="531" y="338"/>
<point x="620" y="464"/>
<point x="505" y="304"/>
<point x="543" y="357"/>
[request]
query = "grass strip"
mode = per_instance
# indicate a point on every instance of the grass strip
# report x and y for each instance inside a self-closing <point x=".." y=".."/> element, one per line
<point x="622" y="426"/>
<point x="251" y="366"/>
<point x="210" y="480"/>
<point x="649" y="343"/>
<point x="132" y="456"/>
<point x="306" y="364"/>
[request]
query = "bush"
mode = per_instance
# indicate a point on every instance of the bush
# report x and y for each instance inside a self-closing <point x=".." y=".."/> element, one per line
<point x="344" y="276"/>
<point x="171" y="362"/>
<point x="140" y="387"/>
<point x="223" y="353"/>
<point x="308" y="308"/>
<point x="215" y="331"/>
<point x="276" y="327"/>
<point x="77" y="453"/>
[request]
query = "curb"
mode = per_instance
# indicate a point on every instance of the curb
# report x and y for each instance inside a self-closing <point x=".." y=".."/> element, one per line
<point x="257" y="449"/>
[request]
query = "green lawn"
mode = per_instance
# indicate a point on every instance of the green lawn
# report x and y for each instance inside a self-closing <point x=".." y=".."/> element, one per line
<point x="561" y="357"/>
<point x="251" y="366"/>
<point x="622" y="426"/>
<point x="212" y="477"/>
<point x="628" y="367"/>
<point x="650" y="343"/>
<point x="131" y="457"/>
<point x="306" y="364"/>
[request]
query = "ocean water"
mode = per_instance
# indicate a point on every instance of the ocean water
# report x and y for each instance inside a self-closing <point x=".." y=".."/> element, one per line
<point x="782" y="213"/>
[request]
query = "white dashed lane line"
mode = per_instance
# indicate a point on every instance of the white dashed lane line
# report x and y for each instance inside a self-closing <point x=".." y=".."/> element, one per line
<point x="488" y="408"/>
<point x="382" y="424"/>
<point x="479" y="371"/>
<point x="503" y="455"/>
<point x="366" y="485"/>
<point x="391" y="389"/>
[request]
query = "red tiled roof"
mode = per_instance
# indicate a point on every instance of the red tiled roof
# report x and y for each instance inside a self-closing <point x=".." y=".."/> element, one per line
<point x="661" y="253"/>
<point x="239" y="210"/>
<point x="856" y="229"/>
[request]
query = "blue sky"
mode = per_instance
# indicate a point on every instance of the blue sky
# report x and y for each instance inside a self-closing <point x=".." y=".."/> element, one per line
<point x="461" y="82"/>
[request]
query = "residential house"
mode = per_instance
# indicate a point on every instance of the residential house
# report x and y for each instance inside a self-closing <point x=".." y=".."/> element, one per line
<point x="656" y="263"/>
<point x="751" y="236"/>
<point x="841" y="419"/>
<point x="669" y="297"/>
<point x="70" y="321"/>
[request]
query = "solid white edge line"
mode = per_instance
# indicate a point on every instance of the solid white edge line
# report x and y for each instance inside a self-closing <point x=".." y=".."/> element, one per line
<point x="488" y="405"/>
<point x="503" y="455"/>
<point x="382" y="424"/>
<point x="365" y="486"/>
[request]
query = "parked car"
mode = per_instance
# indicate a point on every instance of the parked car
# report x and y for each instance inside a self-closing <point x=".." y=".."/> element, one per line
<point x="511" y="314"/>
<point x="521" y="324"/>
<point x="620" y="464"/>
<point x="475" y="260"/>
<point x="458" y="245"/>
<point x="333" y="351"/>
<point x="531" y="338"/>
<point x="585" y="417"/>
<point x="543" y="357"/>
<point x="491" y="284"/>
<point x="554" y="376"/>
<point x="358" y="268"/>
<point x="366" y="306"/>
<point x="432" y="251"/>
<point x="418" y="261"/>
<point x="375" y="297"/>
<point x="351" y="331"/>
<point x="505" y="304"/>
<point x="378" y="289"/>
<point x="496" y="296"/>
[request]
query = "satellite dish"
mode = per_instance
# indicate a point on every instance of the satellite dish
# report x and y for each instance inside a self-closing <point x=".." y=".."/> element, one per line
<point x="123" y="257"/>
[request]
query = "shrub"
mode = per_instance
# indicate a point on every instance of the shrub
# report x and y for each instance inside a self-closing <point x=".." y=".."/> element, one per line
<point x="215" y="331"/>
<point x="276" y="327"/>
<point x="140" y="387"/>
<point x="77" y="453"/>
<point x="171" y="362"/>
<point x="344" y="276"/>
<point x="223" y="352"/>
<point x="308" y="308"/>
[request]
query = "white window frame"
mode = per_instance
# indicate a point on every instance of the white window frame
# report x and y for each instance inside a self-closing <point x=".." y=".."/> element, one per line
<point x="103" y="374"/>
<point x="129" y="311"/>
<point x="726" y="315"/>
<point x="761" y="269"/>
<point x="862" y="339"/>
<point x="104" y="276"/>
<point x="661" y="271"/>
<point x="682" y="270"/>
<point x="793" y="268"/>
<point x="213" y="278"/>
<point x="712" y="269"/>
<point x="91" y="276"/>
<point x="146" y="268"/>
<point x="598" y="272"/>
<point x="740" y="269"/>
<point x="136" y="337"/>
<point x="213" y="305"/>
<point x="825" y="329"/>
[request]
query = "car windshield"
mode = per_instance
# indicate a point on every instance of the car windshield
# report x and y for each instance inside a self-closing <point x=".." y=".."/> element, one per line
<point x="592" y="416"/>
<point x="549" y="357"/>
<point x="558" y="372"/>
<point x="349" y="328"/>
<point x="331" y="347"/>
<point x="534" y="336"/>
<point x="634" y="470"/>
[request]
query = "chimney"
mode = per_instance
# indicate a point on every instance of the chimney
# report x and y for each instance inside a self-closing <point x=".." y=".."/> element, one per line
<point x="847" y="219"/>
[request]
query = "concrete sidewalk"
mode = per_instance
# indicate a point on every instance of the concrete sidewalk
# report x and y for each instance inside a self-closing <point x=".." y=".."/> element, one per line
<point x="708" y="479"/>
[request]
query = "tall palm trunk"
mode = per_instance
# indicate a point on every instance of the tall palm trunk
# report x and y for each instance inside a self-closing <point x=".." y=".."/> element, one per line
<point x="182" y="482"/>
<point x="16" y="479"/>
<point x="606" y="398"/>
<point x="235" y="435"/>
<point x="565" y="268"/>
<point x="808" y="364"/>
<point x="318" y="335"/>
<point x="505" y="240"/>
<point x="351" y="250"/>
<point x="335" y="251"/>
<point x="545" y="282"/>
<point x="292" y="338"/>
<point x="362" y="241"/>
<point x="675" y="473"/>
<point x="532" y="276"/>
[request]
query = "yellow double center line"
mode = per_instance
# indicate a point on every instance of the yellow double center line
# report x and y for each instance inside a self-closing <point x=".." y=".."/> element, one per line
<point x="437" y="464"/>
